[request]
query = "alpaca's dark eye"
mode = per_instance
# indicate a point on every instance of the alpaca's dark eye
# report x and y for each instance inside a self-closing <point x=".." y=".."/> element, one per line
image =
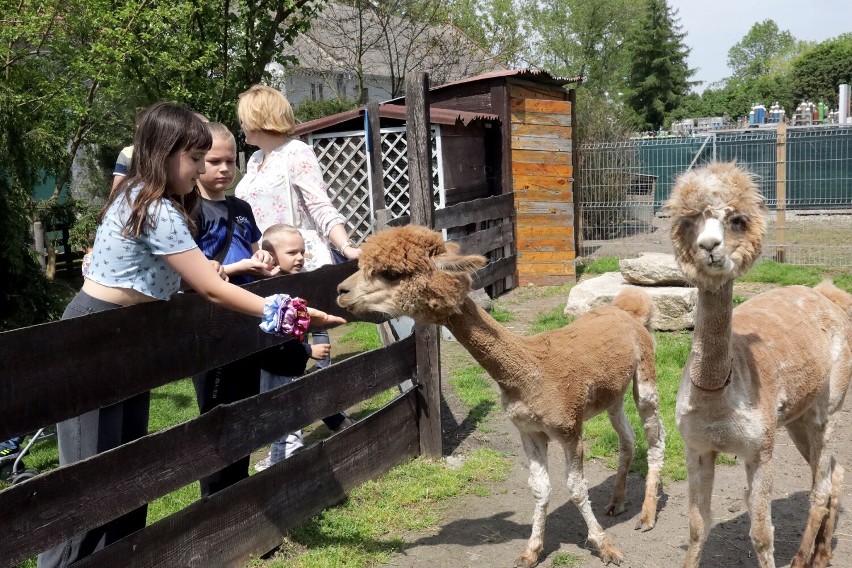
<point x="390" y="276"/>
<point x="738" y="222"/>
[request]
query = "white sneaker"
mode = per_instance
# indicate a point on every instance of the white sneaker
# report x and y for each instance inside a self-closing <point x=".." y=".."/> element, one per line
<point x="265" y="463"/>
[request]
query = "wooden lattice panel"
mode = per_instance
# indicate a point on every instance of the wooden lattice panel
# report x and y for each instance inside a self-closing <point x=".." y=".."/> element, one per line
<point x="344" y="161"/>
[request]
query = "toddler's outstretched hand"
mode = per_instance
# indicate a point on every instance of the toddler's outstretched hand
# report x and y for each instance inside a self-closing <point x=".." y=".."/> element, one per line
<point x="320" y="351"/>
<point x="321" y="319"/>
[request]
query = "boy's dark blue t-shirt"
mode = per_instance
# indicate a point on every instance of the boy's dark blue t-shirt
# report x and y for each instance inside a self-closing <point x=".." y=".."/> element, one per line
<point x="212" y="224"/>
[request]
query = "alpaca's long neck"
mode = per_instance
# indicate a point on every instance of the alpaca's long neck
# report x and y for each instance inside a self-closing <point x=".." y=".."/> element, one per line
<point x="498" y="350"/>
<point x="710" y="368"/>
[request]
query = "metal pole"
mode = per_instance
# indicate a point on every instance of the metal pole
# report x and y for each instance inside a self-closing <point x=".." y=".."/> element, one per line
<point x="780" y="189"/>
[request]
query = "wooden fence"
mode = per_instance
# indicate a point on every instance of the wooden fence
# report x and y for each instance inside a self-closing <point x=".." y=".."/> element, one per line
<point x="55" y="371"/>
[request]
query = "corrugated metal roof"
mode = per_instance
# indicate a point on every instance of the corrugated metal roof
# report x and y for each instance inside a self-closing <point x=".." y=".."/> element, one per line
<point x="536" y="75"/>
<point x="436" y="116"/>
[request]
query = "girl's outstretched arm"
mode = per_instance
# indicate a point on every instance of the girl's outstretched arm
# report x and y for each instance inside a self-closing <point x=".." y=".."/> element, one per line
<point x="197" y="271"/>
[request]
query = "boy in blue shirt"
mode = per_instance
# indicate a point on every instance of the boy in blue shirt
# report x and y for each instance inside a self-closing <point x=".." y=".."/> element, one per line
<point x="227" y="233"/>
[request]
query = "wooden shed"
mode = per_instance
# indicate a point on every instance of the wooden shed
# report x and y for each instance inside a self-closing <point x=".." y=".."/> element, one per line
<point x="536" y="112"/>
<point x="502" y="133"/>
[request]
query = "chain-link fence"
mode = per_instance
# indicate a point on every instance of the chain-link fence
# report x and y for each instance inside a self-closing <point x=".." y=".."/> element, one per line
<point x="623" y="185"/>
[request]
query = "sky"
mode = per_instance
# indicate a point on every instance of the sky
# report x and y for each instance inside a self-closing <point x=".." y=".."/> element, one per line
<point x="714" y="26"/>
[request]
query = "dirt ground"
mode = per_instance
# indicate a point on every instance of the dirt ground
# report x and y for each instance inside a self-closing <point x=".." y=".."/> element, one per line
<point x="492" y="531"/>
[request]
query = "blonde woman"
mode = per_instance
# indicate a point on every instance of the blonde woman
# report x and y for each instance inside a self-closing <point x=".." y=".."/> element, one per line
<point x="283" y="184"/>
<point x="283" y="181"/>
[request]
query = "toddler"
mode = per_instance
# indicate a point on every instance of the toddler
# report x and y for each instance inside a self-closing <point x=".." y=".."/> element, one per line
<point x="284" y="363"/>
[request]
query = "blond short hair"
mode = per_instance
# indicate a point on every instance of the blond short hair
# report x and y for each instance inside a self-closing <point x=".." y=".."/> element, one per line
<point x="274" y="232"/>
<point x="265" y="108"/>
<point x="219" y="130"/>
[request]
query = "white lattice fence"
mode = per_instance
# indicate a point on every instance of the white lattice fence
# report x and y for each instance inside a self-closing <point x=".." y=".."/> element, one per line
<point x="345" y="163"/>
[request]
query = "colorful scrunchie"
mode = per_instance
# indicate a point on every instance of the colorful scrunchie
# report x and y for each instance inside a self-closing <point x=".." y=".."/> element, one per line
<point x="283" y="315"/>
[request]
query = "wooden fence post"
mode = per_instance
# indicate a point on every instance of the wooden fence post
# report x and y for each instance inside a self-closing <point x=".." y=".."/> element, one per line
<point x="374" y="149"/>
<point x="423" y="213"/>
<point x="780" y="190"/>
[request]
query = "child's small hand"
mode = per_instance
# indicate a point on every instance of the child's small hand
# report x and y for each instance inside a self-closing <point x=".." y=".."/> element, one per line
<point x="321" y="351"/>
<point x="250" y="266"/>
<point x="220" y="270"/>
<point x="265" y="257"/>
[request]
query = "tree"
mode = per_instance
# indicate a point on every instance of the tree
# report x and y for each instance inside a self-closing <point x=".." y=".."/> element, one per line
<point x="390" y="38"/>
<point x="764" y="49"/>
<point x="658" y="76"/>
<point x="817" y="73"/>
<point x="583" y="38"/>
<point x="73" y="72"/>
<point x="495" y="26"/>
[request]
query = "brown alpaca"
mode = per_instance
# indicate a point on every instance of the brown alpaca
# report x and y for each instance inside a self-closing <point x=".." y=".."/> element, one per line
<point x="550" y="383"/>
<point x="780" y="359"/>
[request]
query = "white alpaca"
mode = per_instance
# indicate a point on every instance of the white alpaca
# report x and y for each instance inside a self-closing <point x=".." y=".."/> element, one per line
<point x="780" y="359"/>
<point x="550" y="383"/>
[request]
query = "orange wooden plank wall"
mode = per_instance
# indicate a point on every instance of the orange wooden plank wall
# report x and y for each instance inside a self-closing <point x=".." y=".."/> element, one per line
<point x="542" y="180"/>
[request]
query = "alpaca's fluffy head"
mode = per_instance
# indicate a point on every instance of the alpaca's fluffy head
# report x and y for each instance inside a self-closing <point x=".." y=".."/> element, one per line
<point x="717" y="223"/>
<point x="409" y="271"/>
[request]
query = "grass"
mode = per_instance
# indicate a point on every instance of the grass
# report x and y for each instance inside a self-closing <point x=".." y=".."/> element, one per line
<point x="370" y="525"/>
<point x="475" y="389"/>
<point x="363" y="336"/>
<point x="553" y="319"/>
<point x="844" y="282"/>
<point x="598" y="266"/>
<point x="566" y="559"/>
<point x="172" y="404"/>
<point x="771" y="272"/>
<point x="501" y="314"/>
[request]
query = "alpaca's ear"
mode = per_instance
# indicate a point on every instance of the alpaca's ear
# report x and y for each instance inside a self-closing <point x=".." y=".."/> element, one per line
<point x="451" y="261"/>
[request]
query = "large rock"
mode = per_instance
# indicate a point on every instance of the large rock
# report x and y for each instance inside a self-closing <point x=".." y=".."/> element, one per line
<point x="674" y="306"/>
<point x="652" y="269"/>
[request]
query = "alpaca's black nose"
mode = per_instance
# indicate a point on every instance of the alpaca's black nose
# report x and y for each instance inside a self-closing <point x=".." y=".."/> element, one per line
<point x="341" y="289"/>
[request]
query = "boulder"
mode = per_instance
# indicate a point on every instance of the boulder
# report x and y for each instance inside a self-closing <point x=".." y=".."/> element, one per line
<point x="674" y="306"/>
<point x="652" y="269"/>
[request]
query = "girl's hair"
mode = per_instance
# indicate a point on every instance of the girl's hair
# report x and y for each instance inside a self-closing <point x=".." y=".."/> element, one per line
<point x="166" y="128"/>
<point x="265" y="108"/>
<point x="275" y="232"/>
<point x="219" y="130"/>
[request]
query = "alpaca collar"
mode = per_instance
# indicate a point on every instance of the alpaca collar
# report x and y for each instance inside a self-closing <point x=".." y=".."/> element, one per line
<point x="726" y="383"/>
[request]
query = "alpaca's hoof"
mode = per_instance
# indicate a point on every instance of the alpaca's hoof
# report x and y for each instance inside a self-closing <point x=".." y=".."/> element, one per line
<point x="525" y="562"/>
<point x="614" y="509"/>
<point x="611" y="555"/>
<point x="644" y="526"/>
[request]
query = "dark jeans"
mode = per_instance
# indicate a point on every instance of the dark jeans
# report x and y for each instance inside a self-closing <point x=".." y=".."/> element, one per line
<point x="320" y="337"/>
<point x="90" y="434"/>
<point x="230" y="383"/>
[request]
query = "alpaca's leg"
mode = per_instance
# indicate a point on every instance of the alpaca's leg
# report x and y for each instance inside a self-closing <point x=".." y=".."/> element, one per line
<point x="626" y="445"/>
<point x="822" y="551"/>
<point x="758" y="497"/>
<point x="579" y="495"/>
<point x="647" y="403"/>
<point x="700" y="470"/>
<point x="810" y="434"/>
<point x="535" y="446"/>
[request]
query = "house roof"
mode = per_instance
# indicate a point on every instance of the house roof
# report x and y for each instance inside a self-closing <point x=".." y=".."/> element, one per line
<point x="398" y="112"/>
<point x="530" y="74"/>
<point x="342" y="35"/>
